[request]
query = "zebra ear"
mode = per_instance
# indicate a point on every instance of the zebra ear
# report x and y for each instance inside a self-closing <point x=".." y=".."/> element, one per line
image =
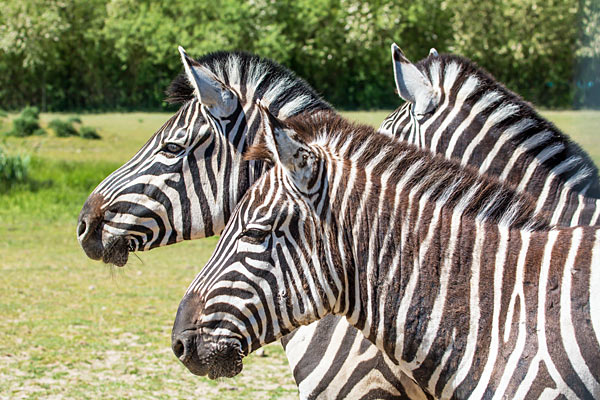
<point x="209" y="91"/>
<point x="289" y="150"/>
<point x="433" y="52"/>
<point x="412" y="85"/>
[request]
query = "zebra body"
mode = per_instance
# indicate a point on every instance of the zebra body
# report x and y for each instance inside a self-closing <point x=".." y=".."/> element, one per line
<point x="151" y="202"/>
<point x="185" y="181"/>
<point x="474" y="119"/>
<point x="470" y="299"/>
<point x="483" y="125"/>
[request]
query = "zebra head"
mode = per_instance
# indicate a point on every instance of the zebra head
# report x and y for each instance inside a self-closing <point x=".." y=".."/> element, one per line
<point x="266" y="276"/>
<point x="186" y="180"/>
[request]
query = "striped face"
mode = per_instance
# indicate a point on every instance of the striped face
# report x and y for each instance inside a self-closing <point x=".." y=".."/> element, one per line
<point x="456" y="109"/>
<point x="185" y="182"/>
<point x="181" y="185"/>
<point x="266" y="276"/>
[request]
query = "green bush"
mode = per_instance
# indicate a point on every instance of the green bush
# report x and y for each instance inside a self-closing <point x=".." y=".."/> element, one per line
<point x="545" y="50"/>
<point x="87" y="132"/>
<point x="74" y="120"/>
<point x="27" y="123"/>
<point x="13" y="169"/>
<point x="66" y="129"/>
<point x="63" y="128"/>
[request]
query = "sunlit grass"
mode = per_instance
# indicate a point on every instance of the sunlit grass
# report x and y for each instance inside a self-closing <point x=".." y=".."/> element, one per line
<point x="76" y="328"/>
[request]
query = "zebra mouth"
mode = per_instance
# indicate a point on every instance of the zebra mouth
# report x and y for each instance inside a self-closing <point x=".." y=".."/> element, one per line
<point x="224" y="360"/>
<point x="116" y="251"/>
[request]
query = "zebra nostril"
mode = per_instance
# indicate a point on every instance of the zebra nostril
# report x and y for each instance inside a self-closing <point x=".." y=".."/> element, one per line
<point x="179" y="349"/>
<point x="81" y="228"/>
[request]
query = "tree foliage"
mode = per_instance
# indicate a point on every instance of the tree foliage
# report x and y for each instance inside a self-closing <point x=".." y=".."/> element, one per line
<point x="587" y="76"/>
<point x="526" y="43"/>
<point x="121" y="54"/>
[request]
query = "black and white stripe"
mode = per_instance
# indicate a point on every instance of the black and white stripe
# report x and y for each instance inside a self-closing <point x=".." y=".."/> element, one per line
<point x="478" y="121"/>
<point x="160" y="196"/>
<point x="472" y="300"/>
<point x="163" y="196"/>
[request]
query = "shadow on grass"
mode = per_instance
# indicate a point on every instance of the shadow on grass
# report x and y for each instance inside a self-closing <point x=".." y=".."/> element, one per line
<point x="27" y="185"/>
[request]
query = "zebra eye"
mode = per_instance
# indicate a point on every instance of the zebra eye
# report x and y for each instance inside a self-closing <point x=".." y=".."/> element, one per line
<point x="427" y="114"/>
<point x="255" y="235"/>
<point x="172" y="148"/>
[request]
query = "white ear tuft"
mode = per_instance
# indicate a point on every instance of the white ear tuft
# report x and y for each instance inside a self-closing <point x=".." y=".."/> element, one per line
<point x="433" y="52"/>
<point x="412" y="85"/>
<point x="209" y="91"/>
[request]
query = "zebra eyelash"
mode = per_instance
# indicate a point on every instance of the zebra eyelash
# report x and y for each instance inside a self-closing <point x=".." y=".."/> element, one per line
<point x="171" y="149"/>
<point x="255" y="235"/>
<point x="422" y="117"/>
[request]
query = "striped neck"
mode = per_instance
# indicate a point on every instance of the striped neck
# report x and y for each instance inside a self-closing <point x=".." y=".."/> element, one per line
<point x="485" y="125"/>
<point x="440" y="290"/>
<point x="434" y="283"/>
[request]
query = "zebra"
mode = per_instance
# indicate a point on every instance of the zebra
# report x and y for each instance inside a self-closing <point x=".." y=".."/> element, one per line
<point x="185" y="181"/>
<point x="136" y="192"/>
<point x="469" y="299"/>
<point x="457" y="109"/>
<point x="521" y="148"/>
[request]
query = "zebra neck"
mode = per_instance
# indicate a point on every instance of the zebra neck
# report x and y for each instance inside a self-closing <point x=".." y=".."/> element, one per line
<point x="566" y="207"/>
<point x="437" y="288"/>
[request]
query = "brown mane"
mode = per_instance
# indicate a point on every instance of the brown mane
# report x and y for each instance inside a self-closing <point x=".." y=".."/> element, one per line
<point x="492" y="201"/>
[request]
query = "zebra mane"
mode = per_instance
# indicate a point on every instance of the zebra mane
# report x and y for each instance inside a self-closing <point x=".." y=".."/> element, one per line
<point x="258" y="79"/>
<point x="482" y="197"/>
<point x="581" y="171"/>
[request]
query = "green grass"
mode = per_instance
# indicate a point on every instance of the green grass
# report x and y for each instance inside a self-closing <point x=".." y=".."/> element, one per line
<point x="74" y="328"/>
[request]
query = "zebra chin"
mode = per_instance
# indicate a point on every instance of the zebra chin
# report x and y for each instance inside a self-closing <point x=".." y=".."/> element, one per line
<point x="116" y="251"/>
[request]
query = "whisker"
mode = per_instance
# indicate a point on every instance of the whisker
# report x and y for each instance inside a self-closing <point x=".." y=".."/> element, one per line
<point x="138" y="257"/>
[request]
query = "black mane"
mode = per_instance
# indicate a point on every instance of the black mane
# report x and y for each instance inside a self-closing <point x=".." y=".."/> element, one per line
<point x="246" y="69"/>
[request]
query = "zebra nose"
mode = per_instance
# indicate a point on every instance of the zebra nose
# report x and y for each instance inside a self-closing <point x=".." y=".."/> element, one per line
<point x="90" y="216"/>
<point x="82" y="230"/>
<point x="186" y="350"/>
<point x="183" y="347"/>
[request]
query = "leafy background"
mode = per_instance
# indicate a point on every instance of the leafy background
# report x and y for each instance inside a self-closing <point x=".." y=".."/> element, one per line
<point x="121" y="54"/>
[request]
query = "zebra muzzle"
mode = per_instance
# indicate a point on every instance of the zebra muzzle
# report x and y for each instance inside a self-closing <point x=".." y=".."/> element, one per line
<point x="201" y="356"/>
<point x="115" y="250"/>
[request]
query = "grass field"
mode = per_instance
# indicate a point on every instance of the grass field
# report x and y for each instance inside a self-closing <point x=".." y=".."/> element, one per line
<point x="73" y="328"/>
